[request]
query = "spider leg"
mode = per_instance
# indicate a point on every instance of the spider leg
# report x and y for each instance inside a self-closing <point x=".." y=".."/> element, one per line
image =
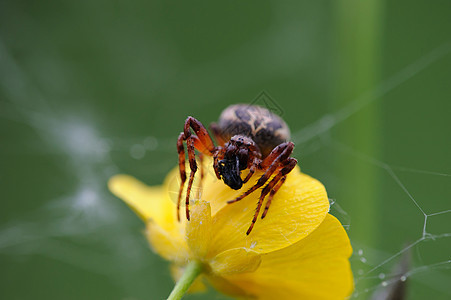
<point x="181" y="153"/>
<point x="283" y="151"/>
<point x="198" y="145"/>
<point x="255" y="156"/>
<point x="200" y="131"/>
<point x="275" y="153"/>
<point x="193" y="167"/>
<point x="271" y="195"/>
<point x="288" y="165"/>
<point x="201" y="141"/>
<point x="252" y="169"/>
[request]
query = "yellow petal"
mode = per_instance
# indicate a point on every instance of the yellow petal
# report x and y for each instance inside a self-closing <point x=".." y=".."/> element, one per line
<point x="235" y="261"/>
<point x="221" y="284"/>
<point x="144" y="200"/>
<point x="148" y="202"/>
<point x="296" y="210"/>
<point x="198" y="230"/>
<point x="317" y="267"/>
<point x="170" y="245"/>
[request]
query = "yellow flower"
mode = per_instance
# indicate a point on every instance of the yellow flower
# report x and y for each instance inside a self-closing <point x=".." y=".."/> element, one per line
<point x="298" y="251"/>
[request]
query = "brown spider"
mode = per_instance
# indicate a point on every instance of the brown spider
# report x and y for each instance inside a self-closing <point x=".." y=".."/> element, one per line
<point x="249" y="137"/>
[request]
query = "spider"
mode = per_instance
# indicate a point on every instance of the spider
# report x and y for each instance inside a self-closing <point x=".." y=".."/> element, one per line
<point x="249" y="137"/>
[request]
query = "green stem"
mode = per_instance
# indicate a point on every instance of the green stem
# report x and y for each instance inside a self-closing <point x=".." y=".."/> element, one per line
<point x="358" y="49"/>
<point x="193" y="270"/>
<point x="359" y="26"/>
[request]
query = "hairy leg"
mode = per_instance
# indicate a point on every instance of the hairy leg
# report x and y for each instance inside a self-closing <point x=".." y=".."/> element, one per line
<point x="193" y="167"/>
<point x="181" y="153"/>
<point x="275" y="184"/>
<point x="252" y="169"/>
<point x="282" y="151"/>
<point x="201" y="141"/>
<point x="287" y="166"/>
<point x="200" y="131"/>
<point x="272" y="193"/>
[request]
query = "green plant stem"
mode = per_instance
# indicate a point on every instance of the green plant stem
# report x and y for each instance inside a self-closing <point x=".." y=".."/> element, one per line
<point x="359" y="27"/>
<point x="358" y="51"/>
<point x="192" y="270"/>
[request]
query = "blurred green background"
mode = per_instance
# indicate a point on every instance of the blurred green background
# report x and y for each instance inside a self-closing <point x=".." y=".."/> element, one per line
<point x="89" y="89"/>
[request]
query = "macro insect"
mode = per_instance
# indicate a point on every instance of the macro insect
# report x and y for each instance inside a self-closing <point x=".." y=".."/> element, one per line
<point x="248" y="137"/>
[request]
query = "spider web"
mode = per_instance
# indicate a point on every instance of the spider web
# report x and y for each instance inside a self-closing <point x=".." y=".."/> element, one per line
<point x="61" y="228"/>
<point x="377" y="272"/>
<point x="379" y="268"/>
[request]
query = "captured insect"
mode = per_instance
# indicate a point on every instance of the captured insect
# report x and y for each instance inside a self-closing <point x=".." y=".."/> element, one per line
<point x="248" y="137"/>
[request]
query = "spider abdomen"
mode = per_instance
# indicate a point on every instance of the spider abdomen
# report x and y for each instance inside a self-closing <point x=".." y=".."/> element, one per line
<point x="266" y="129"/>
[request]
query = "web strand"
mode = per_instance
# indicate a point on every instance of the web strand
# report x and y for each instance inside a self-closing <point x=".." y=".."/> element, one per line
<point x="328" y="121"/>
<point x="79" y="212"/>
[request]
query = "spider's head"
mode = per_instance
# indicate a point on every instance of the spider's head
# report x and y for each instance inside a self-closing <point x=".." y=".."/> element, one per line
<point x="229" y="169"/>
